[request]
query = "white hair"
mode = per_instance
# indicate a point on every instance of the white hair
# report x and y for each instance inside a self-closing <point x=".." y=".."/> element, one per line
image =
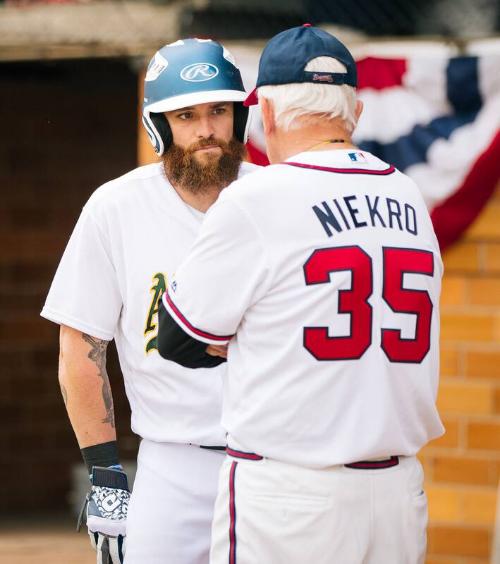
<point x="299" y="103"/>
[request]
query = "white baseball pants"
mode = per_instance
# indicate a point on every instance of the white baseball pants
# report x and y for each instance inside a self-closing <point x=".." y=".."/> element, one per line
<point x="269" y="512"/>
<point x="171" y="507"/>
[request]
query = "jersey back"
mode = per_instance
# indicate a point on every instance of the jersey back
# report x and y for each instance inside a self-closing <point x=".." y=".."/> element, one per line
<point x="328" y="272"/>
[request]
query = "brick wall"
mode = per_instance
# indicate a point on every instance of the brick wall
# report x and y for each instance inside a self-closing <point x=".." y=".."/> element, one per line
<point x="66" y="128"/>
<point x="463" y="467"/>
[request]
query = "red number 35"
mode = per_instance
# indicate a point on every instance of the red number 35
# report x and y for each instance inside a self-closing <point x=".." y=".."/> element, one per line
<point x="354" y="301"/>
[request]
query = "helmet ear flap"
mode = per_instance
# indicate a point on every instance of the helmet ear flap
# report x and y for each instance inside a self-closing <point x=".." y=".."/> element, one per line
<point x="160" y="123"/>
<point x="241" y="122"/>
<point x="153" y="134"/>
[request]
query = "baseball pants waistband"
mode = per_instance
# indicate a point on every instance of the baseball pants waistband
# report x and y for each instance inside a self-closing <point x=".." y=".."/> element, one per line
<point x="375" y="464"/>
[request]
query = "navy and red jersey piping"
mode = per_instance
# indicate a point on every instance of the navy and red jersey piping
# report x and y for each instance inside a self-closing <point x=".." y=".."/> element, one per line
<point x="232" y="514"/>
<point x="245" y="455"/>
<point x="384" y="172"/>
<point x="190" y="326"/>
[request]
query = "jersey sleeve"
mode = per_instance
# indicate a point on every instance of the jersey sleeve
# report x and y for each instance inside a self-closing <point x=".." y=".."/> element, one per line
<point x="176" y="345"/>
<point x="222" y="276"/>
<point x="84" y="293"/>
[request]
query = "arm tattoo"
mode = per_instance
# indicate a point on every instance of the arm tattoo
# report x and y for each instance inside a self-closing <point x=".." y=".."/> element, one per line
<point x="64" y="395"/>
<point x="97" y="354"/>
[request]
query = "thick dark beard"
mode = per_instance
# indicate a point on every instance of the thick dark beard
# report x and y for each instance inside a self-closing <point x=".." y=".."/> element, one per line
<point x="184" y="170"/>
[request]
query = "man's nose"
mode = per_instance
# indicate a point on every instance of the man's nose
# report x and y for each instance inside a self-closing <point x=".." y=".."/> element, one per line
<point x="205" y="127"/>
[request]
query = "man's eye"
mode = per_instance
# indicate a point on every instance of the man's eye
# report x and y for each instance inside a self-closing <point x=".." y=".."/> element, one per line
<point x="185" y="115"/>
<point x="219" y="110"/>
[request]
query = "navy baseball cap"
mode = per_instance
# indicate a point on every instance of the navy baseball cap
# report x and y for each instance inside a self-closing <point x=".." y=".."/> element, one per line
<point x="286" y="55"/>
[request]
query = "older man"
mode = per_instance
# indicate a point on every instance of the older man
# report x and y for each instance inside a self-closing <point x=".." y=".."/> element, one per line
<point x="323" y="274"/>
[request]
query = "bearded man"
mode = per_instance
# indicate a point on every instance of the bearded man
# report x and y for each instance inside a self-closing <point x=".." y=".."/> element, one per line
<point x="108" y="286"/>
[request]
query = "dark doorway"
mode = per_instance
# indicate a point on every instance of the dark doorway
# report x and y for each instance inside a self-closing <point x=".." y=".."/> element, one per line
<point x="66" y="127"/>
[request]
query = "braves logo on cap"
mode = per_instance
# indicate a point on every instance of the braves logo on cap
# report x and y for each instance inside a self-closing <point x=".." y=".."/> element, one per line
<point x="322" y="77"/>
<point x="199" y="72"/>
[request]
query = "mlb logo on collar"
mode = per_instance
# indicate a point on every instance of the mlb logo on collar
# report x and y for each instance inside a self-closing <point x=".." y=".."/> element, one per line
<point x="357" y="157"/>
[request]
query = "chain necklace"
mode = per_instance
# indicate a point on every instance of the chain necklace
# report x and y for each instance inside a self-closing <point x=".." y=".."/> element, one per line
<point x="326" y="142"/>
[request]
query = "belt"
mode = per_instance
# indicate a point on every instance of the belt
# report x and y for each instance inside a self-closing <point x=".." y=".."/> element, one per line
<point x="374" y="464"/>
<point x="361" y="465"/>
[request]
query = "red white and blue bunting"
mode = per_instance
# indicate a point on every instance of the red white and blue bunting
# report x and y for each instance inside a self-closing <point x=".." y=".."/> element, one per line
<point x="435" y="116"/>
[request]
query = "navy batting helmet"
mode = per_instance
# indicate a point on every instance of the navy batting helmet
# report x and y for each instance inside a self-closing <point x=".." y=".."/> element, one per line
<point x="187" y="72"/>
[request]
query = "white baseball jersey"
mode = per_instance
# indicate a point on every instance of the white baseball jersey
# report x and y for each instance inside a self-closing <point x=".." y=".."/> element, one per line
<point x="131" y="236"/>
<point x="327" y="271"/>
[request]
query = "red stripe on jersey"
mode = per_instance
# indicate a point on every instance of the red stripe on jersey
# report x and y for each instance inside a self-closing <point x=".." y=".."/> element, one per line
<point x="245" y="455"/>
<point x="383" y="172"/>
<point x="192" y="327"/>
<point x="232" y="515"/>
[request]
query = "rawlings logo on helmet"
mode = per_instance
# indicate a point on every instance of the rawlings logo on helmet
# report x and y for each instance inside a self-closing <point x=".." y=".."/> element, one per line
<point x="199" y="72"/>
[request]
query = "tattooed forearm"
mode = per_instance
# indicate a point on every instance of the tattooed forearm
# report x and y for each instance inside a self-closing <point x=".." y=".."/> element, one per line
<point x="64" y="394"/>
<point x="97" y="354"/>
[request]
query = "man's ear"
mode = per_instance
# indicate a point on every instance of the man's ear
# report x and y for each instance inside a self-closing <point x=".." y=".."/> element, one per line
<point x="359" y="109"/>
<point x="267" y="109"/>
